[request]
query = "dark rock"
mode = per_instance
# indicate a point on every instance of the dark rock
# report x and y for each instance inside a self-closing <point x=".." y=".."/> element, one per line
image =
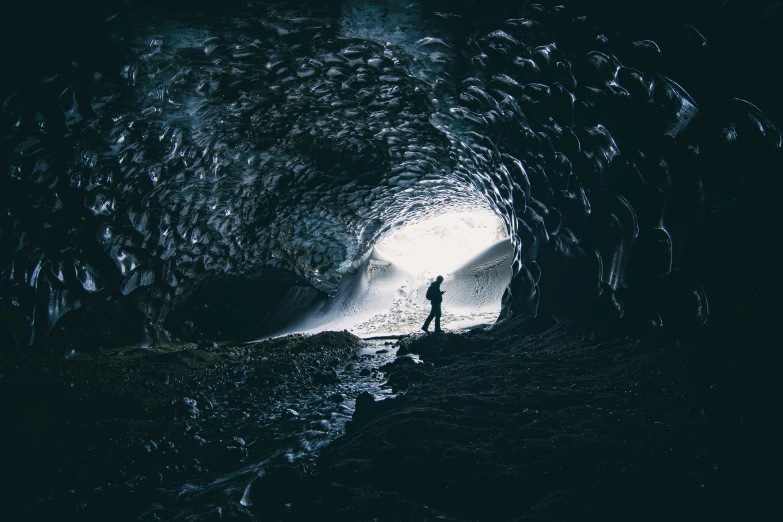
<point x="207" y="345"/>
<point x="507" y="430"/>
<point x="277" y="487"/>
<point x="399" y="362"/>
<point x="367" y="408"/>
<point x="404" y="372"/>
<point x="364" y="408"/>
<point x="328" y="377"/>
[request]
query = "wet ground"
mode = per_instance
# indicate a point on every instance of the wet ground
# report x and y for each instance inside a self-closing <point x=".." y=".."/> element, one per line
<point x="162" y="434"/>
<point x="521" y="421"/>
<point x="542" y="421"/>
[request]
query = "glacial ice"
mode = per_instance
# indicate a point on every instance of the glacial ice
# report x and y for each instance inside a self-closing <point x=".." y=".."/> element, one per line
<point x="299" y="143"/>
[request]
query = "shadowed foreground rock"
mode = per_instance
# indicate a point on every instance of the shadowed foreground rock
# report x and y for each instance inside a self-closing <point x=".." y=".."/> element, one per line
<point x="558" y="425"/>
<point x="103" y="436"/>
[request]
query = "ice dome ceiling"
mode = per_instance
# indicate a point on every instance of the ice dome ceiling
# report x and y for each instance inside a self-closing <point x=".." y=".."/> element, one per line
<point x="295" y="138"/>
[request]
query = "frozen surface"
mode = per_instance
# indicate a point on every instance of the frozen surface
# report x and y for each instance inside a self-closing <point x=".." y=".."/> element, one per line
<point x="294" y="137"/>
<point x="386" y="296"/>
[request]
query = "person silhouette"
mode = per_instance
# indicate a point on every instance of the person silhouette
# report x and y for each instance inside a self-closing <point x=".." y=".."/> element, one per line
<point x="435" y="295"/>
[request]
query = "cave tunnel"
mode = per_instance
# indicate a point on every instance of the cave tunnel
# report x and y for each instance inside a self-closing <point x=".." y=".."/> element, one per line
<point x="220" y="221"/>
<point x="386" y="295"/>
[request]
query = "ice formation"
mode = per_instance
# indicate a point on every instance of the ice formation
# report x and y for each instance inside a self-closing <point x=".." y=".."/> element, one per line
<point x="386" y="296"/>
<point x="263" y="143"/>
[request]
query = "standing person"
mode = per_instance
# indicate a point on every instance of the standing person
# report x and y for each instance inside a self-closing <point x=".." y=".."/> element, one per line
<point x="435" y="295"/>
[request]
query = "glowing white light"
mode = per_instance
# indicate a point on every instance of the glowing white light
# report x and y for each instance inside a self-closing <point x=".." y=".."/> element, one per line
<point x="442" y="243"/>
<point x="385" y="295"/>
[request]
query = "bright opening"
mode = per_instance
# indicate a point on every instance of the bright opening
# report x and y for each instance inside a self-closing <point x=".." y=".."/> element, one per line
<point x="386" y="296"/>
<point x="442" y="243"/>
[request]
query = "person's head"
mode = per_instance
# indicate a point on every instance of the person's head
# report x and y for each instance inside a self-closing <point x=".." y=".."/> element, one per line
<point x="439" y="279"/>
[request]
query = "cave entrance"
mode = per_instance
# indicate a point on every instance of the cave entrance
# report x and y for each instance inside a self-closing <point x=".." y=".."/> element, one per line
<point x="443" y="243"/>
<point x="386" y="295"/>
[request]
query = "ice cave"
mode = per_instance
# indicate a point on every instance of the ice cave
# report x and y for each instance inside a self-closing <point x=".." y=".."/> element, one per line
<point x="222" y="223"/>
<point x="386" y="296"/>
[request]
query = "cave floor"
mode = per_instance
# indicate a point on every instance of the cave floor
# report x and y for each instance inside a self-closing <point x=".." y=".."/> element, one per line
<point x="514" y="422"/>
<point x="159" y="433"/>
<point x="549" y="423"/>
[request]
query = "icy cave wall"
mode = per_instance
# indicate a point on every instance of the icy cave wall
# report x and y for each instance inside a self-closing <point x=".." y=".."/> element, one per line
<point x="270" y="146"/>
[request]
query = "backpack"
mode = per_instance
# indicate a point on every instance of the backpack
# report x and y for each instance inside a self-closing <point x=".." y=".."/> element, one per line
<point x="430" y="293"/>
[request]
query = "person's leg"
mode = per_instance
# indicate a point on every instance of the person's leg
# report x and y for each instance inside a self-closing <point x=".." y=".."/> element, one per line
<point x="427" y="322"/>
<point x="429" y="318"/>
<point x="437" y="318"/>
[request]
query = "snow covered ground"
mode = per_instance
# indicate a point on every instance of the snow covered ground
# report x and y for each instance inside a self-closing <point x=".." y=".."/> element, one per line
<point x="386" y="295"/>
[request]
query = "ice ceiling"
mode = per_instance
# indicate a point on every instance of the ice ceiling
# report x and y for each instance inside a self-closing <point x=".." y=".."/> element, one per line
<point x="295" y="140"/>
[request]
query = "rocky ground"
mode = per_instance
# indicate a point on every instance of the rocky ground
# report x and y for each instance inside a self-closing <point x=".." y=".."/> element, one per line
<point x="527" y="420"/>
<point x="539" y="421"/>
<point x="111" y="435"/>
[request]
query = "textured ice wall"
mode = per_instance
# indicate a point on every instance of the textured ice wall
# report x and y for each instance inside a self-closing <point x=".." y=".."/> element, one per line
<point x="479" y="283"/>
<point x="286" y="137"/>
